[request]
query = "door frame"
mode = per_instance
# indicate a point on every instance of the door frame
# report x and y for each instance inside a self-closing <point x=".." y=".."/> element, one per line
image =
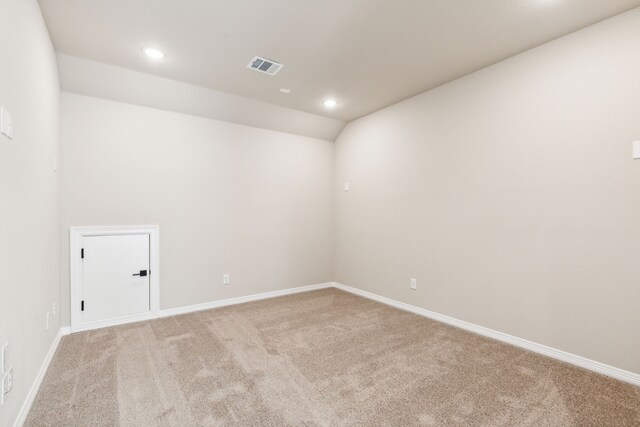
<point x="76" y="234"/>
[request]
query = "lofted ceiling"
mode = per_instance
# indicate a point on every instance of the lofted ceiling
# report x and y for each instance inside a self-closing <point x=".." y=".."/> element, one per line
<point x="366" y="54"/>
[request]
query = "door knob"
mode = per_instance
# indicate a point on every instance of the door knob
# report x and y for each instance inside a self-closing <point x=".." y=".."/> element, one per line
<point x="142" y="273"/>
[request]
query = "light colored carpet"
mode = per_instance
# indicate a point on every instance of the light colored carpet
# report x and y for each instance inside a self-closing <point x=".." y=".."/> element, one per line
<point x="318" y="358"/>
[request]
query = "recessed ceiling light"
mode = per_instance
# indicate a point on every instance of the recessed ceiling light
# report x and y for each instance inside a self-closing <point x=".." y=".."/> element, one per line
<point x="283" y="90"/>
<point x="153" y="53"/>
<point x="330" y="103"/>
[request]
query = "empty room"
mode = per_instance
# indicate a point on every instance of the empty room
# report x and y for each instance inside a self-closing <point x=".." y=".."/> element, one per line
<point x="319" y="213"/>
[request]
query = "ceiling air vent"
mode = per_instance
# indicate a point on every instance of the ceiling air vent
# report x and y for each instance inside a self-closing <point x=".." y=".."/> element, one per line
<point x="266" y="66"/>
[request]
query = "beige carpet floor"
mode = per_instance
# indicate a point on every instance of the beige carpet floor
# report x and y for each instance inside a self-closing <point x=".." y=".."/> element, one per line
<point x="318" y="358"/>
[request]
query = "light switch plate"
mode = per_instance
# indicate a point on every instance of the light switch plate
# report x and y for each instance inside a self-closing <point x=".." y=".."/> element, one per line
<point x="636" y="150"/>
<point x="3" y="358"/>
<point x="6" y="123"/>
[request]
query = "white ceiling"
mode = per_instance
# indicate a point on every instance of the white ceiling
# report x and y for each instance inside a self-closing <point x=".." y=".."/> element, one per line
<point x="99" y="80"/>
<point x="366" y="54"/>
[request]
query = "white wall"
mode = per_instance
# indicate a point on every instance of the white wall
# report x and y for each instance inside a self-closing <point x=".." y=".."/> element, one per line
<point x="29" y="218"/>
<point x="254" y="203"/>
<point x="510" y="194"/>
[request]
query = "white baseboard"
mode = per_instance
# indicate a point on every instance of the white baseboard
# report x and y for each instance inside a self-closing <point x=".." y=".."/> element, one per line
<point x="241" y="300"/>
<point x="33" y="391"/>
<point x="193" y="308"/>
<point x="123" y="320"/>
<point x="592" y="365"/>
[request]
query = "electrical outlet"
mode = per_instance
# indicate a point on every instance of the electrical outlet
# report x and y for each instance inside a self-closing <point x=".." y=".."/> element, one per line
<point x="346" y="186"/>
<point x="414" y="284"/>
<point x="226" y="279"/>
<point x="48" y="321"/>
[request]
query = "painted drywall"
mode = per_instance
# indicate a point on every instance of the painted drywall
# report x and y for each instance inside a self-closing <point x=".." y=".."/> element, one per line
<point x="29" y="218"/>
<point x="92" y="78"/>
<point x="510" y="195"/>
<point x="253" y="203"/>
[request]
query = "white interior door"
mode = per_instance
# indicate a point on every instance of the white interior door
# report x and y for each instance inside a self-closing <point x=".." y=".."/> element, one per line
<point x="115" y="276"/>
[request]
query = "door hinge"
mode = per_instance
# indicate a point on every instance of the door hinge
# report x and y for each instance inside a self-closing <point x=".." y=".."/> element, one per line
<point x="82" y="305"/>
<point x="82" y="253"/>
